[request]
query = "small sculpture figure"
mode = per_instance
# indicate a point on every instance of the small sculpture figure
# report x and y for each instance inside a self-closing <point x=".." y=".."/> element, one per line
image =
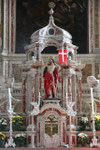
<point x="36" y="105"/>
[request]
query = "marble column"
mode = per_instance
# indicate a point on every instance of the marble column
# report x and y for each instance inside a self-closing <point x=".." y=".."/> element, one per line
<point x="24" y="93"/>
<point x="38" y="52"/>
<point x="33" y="89"/>
<point x="64" y="87"/>
<point x="38" y="83"/>
<point x="74" y="90"/>
<point x="91" y="26"/>
<point x="70" y="87"/>
<point x="79" y="77"/>
<point x="33" y="85"/>
<point x="6" y="28"/>
<point x="12" y="26"/>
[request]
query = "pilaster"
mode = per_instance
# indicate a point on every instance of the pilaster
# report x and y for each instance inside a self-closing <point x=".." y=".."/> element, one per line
<point x="79" y="88"/>
<point x="0" y="25"/>
<point x="12" y="26"/>
<point x="24" y="92"/>
<point x="64" y="85"/>
<point x="38" y="82"/>
<point x="91" y="26"/>
<point x="70" y="87"/>
<point x="6" y="28"/>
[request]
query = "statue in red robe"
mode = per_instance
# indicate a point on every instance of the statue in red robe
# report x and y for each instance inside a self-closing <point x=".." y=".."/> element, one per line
<point x="50" y="79"/>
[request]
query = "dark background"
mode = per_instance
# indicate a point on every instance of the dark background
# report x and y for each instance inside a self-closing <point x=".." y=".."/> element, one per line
<point x="70" y="15"/>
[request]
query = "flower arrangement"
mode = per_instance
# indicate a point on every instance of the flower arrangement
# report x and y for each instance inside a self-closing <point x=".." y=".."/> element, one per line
<point x="83" y="123"/>
<point x="2" y="139"/>
<point x="3" y="124"/>
<point x="83" y="139"/>
<point x="97" y="122"/>
<point x="17" y="122"/>
<point x="20" y="139"/>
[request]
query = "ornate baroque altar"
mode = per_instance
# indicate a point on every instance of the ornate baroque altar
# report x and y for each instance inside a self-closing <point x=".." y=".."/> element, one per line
<point x="51" y="122"/>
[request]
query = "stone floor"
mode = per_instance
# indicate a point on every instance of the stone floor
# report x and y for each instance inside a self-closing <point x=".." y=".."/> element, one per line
<point x="23" y="148"/>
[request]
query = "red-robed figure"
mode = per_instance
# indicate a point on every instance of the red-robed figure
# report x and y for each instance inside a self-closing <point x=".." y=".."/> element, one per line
<point x="51" y="74"/>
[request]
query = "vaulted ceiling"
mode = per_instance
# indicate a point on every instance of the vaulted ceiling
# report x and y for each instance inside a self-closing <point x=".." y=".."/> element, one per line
<point x="70" y="15"/>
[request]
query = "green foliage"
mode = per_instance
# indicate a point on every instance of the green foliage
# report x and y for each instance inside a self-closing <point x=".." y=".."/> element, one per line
<point x="17" y="122"/>
<point x="20" y="139"/>
<point x="97" y="122"/>
<point x="83" y="123"/>
<point x="83" y="138"/>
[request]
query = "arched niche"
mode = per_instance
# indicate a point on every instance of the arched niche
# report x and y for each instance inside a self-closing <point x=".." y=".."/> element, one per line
<point x="50" y="50"/>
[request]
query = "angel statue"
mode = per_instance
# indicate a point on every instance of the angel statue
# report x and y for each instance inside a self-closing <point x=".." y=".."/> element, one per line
<point x="36" y="105"/>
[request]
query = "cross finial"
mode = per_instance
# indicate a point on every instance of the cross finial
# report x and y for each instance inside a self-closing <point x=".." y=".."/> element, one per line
<point x="51" y="5"/>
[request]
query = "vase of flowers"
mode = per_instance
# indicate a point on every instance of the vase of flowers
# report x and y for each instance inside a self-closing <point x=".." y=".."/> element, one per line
<point x="2" y="139"/>
<point x="17" y="122"/>
<point x="3" y="124"/>
<point x="20" y="139"/>
<point x="83" y="123"/>
<point x="97" y="122"/>
<point x="83" y="139"/>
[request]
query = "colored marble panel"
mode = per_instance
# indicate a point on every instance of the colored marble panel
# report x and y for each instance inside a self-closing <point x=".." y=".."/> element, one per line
<point x="97" y="40"/>
<point x="87" y="71"/>
<point x="1" y="22"/>
<point x="96" y="70"/>
<point x="96" y="23"/>
<point x="16" y="72"/>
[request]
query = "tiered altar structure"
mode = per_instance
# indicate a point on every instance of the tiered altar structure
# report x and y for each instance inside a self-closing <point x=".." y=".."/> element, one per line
<point x="52" y="122"/>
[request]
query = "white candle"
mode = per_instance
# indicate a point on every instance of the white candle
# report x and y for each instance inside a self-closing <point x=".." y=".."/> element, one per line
<point x="92" y="99"/>
<point x="39" y="98"/>
<point x="9" y="94"/>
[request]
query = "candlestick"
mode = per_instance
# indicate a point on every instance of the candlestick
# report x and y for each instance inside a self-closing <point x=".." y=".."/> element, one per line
<point x="10" y="140"/>
<point x="93" y="83"/>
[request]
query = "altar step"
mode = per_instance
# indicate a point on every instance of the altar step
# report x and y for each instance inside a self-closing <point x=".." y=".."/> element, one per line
<point x="76" y="148"/>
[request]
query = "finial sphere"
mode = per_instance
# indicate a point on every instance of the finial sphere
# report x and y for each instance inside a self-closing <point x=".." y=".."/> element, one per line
<point x="51" y="5"/>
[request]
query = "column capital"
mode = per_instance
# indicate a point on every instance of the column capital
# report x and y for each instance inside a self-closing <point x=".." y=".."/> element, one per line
<point x="24" y="76"/>
<point x="79" y="75"/>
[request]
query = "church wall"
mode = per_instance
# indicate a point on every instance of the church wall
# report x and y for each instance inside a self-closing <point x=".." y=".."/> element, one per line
<point x="1" y="23"/>
<point x="1" y="32"/>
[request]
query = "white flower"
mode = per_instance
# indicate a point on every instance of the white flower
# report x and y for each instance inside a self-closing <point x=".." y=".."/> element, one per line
<point x="84" y="119"/>
<point x="3" y="121"/>
<point x="82" y="135"/>
<point x="20" y="135"/>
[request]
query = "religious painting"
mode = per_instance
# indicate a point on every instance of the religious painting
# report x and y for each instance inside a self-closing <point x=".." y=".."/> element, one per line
<point x="87" y="71"/>
<point x="70" y="15"/>
<point x="16" y="73"/>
